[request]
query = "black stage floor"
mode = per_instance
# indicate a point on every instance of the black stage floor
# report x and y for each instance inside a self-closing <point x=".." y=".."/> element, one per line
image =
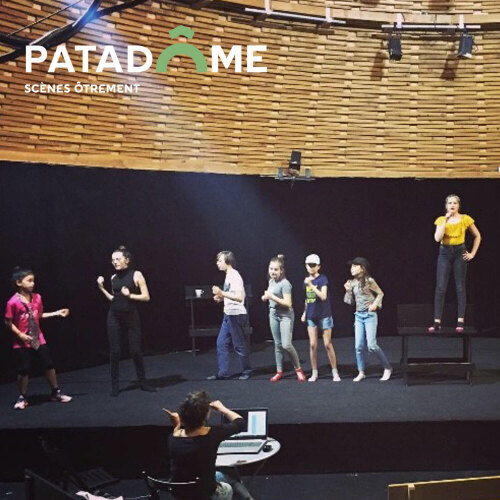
<point x="289" y="402"/>
<point x="373" y="426"/>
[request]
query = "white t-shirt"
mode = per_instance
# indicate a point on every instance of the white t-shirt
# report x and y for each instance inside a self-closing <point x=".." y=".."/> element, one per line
<point x="234" y="283"/>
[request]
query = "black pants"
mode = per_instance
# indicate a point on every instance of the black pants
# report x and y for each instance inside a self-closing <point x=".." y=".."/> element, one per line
<point x="120" y="323"/>
<point x="450" y="257"/>
<point x="23" y="357"/>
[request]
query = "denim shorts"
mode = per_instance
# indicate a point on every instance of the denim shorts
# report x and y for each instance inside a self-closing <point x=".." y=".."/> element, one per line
<point x="322" y="324"/>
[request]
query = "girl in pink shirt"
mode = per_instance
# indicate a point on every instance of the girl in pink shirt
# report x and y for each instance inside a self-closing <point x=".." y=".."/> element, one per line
<point x="22" y="317"/>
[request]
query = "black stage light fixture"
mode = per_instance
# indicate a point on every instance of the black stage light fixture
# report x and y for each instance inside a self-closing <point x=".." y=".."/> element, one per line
<point x="394" y="46"/>
<point x="294" y="163"/>
<point x="465" y="46"/>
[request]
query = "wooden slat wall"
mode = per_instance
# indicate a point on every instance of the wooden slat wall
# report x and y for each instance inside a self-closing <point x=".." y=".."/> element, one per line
<point x="413" y="6"/>
<point x="335" y="96"/>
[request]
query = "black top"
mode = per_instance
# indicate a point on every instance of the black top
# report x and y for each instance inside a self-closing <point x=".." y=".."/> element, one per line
<point x="192" y="457"/>
<point x="120" y="303"/>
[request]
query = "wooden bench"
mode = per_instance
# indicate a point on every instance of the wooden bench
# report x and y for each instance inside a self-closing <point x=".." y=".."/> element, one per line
<point x="196" y="294"/>
<point x="475" y="488"/>
<point x="414" y="320"/>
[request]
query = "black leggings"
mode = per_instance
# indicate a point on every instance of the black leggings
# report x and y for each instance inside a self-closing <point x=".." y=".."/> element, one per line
<point x="23" y="357"/>
<point x="118" y="324"/>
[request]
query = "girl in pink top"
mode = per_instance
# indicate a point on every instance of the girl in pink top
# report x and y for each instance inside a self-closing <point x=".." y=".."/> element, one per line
<point x="22" y="317"/>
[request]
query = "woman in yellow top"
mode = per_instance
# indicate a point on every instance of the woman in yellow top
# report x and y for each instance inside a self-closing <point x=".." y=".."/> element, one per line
<point x="450" y="233"/>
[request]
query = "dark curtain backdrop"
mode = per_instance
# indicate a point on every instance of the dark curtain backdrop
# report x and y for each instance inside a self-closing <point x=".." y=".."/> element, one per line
<point x="64" y="222"/>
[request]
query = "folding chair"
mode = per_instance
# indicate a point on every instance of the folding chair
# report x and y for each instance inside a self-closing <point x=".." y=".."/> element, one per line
<point x="183" y="490"/>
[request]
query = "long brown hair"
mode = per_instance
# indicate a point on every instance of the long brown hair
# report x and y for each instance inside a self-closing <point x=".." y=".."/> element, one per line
<point x="365" y="277"/>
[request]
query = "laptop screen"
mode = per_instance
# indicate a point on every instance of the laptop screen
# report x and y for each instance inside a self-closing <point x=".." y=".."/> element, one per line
<point x="256" y="419"/>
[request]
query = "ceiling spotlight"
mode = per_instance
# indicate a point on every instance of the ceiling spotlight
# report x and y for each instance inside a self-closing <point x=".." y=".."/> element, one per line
<point x="465" y="46"/>
<point x="394" y="46"/>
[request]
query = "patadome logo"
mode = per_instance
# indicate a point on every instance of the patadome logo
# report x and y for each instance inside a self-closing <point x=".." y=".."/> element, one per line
<point x="109" y="60"/>
<point x="182" y="49"/>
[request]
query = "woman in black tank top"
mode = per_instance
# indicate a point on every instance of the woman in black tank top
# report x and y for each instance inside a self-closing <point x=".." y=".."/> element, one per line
<point x="128" y="287"/>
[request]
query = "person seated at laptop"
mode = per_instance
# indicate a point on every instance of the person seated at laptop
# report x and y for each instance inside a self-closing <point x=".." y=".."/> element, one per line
<point x="193" y="445"/>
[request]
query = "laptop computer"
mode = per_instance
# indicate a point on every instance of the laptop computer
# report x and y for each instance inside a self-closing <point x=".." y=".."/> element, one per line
<point x="253" y="439"/>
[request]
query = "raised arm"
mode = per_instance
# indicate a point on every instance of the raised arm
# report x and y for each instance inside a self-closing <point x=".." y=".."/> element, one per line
<point x="322" y="293"/>
<point x="61" y="313"/>
<point x="348" y="297"/>
<point x="286" y="301"/>
<point x="140" y="282"/>
<point x="100" y="284"/>
<point x="440" y="228"/>
<point x="174" y="419"/>
<point x="237" y="295"/>
<point x="229" y="414"/>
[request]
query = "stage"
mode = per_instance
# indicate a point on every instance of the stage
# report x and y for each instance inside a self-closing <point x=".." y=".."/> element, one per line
<point x="438" y="423"/>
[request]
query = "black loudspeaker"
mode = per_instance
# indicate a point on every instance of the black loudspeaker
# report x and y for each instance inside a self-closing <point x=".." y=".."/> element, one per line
<point x="394" y="47"/>
<point x="465" y="46"/>
<point x="294" y="163"/>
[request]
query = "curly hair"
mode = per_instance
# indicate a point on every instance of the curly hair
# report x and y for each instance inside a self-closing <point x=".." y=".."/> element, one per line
<point x="194" y="409"/>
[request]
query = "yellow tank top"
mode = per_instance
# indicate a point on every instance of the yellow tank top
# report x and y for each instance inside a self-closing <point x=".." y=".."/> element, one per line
<point x="454" y="234"/>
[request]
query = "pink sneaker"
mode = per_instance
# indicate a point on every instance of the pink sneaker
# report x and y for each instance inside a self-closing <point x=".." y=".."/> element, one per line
<point x="434" y="328"/>
<point x="277" y="377"/>
<point x="301" y="376"/>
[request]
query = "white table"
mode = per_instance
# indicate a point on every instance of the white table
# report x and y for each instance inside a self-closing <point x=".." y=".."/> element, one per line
<point x="231" y="462"/>
<point x="238" y="459"/>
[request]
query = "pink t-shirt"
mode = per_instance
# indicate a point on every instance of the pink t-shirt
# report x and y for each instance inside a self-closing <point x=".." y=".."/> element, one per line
<point x="16" y="312"/>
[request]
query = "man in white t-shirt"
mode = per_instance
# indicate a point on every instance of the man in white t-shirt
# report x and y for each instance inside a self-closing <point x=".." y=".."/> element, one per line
<point x="235" y="318"/>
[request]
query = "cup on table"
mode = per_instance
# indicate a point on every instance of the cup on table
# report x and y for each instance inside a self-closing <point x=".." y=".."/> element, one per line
<point x="199" y="292"/>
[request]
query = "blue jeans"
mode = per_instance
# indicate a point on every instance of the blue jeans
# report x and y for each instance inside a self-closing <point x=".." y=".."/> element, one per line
<point x="322" y="324"/>
<point x="224" y="491"/>
<point x="231" y="477"/>
<point x="282" y="329"/>
<point x="365" y="336"/>
<point x="231" y="332"/>
<point x="450" y="256"/>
